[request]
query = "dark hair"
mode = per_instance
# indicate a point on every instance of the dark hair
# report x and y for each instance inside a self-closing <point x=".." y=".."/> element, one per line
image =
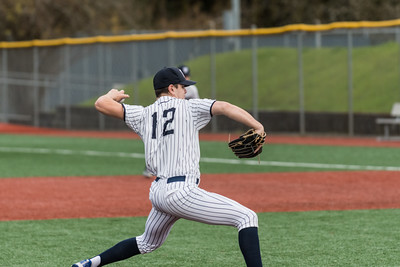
<point x="160" y="91"/>
<point x="163" y="90"/>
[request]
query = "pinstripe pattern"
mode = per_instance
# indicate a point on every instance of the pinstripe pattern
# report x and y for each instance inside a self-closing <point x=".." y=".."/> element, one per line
<point x="169" y="129"/>
<point x="176" y="153"/>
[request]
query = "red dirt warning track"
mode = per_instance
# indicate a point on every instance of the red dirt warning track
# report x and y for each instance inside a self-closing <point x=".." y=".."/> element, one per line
<point x="120" y="196"/>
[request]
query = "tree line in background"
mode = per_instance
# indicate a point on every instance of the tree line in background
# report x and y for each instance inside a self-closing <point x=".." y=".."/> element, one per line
<point x="49" y="19"/>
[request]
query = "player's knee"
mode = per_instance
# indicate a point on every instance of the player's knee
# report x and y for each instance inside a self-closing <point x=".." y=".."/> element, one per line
<point x="250" y="219"/>
<point x="146" y="246"/>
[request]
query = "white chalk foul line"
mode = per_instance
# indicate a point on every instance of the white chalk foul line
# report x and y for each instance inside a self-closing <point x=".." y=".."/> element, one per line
<point x="69" y="152"/>
<point x="207" y="160"/>
<point x="302" y="164"/>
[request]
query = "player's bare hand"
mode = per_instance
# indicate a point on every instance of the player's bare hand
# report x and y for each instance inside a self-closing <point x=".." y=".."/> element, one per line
<point x="117" y="95"/>
<point x="260" y="129"/>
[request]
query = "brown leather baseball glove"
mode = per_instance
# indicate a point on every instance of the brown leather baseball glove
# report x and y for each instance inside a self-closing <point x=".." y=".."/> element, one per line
<point x="248" y="145"/>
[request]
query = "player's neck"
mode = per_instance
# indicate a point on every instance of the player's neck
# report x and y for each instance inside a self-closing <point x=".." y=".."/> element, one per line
<point x="167" y="94"/>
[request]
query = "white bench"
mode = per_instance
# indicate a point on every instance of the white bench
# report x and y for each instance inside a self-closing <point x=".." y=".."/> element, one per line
<point x="387" y="122"/>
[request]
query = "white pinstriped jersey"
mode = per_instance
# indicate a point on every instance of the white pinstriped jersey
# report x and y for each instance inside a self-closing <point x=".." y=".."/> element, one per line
<point x="169" y="130"/>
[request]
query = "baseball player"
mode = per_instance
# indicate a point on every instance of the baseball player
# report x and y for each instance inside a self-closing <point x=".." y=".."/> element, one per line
<point x="169" y="129"/>
<point x="191" y="93"/>
<point x="191" y="90"/>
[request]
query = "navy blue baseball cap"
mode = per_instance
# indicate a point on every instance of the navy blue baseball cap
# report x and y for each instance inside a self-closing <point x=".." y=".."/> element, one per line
<point x="185" y="70"/>
<point x="170" y="75"/>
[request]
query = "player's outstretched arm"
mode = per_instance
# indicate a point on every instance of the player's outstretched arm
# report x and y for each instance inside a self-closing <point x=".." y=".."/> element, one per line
<point x="238" y="114"/>
<point x="109" y="105"/>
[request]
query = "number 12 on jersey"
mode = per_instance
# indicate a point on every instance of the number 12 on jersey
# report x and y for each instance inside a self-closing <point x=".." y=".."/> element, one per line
<point x="169" y="115"/>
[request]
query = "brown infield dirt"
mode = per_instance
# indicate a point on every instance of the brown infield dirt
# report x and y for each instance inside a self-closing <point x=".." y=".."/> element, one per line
<point x="120" y="196"/>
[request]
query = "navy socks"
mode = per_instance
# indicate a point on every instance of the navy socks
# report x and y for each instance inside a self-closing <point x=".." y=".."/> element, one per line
<point x="248" y="243"/>
<point x="250" y="246"/>
<point x="121" y="251"/>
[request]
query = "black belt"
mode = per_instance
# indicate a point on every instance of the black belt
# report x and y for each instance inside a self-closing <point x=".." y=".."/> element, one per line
<point x="174" y="179"/>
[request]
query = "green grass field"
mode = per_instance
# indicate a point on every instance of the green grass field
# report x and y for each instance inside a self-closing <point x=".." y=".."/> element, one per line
<point x="317" y="238"/>
<point x="324" y="238"/>
<point x="28" y="156"/>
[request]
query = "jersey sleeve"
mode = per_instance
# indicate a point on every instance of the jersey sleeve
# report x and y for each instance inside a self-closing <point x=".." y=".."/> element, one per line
<point x="134" y="117"/>
<point x="201" y="111"/>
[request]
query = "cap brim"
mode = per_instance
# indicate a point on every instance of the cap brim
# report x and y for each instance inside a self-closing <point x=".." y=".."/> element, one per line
<point x="188" y="82"/>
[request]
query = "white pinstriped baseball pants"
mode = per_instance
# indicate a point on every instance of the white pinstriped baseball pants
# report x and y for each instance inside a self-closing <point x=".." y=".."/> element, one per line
<point x="184" y="199"/>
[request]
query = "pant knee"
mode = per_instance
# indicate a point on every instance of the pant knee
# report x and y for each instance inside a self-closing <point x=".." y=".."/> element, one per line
<point x="250" y="219"/>
<point x="145" y="246"/>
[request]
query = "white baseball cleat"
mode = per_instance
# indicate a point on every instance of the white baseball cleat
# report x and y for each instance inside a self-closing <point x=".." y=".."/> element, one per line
<point x="84" y="263"/>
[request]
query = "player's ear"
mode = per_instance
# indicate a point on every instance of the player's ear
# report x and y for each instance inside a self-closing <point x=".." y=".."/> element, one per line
<point x="171" y="89"/>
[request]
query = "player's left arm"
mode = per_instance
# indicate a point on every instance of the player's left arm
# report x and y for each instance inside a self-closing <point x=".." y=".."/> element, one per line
<point x="109" y="104"/>
<point x="238" y="114"/>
